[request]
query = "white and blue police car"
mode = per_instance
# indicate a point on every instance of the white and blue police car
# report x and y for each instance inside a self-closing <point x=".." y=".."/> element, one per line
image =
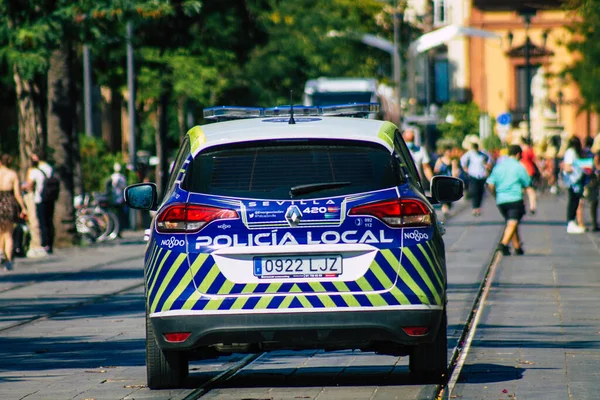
<point x="294" y="228"/>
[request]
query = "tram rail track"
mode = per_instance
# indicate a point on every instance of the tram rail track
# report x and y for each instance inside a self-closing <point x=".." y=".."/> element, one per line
<point x="459" y="353"/>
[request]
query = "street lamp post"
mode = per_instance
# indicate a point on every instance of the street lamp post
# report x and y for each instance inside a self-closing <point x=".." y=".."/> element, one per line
<point x="527" y="14"/>
<point x="528" y="77"/>
<point x="397" y="59"/>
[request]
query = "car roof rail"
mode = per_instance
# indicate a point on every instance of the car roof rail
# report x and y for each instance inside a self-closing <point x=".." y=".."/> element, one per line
<point x="227" y="113"/>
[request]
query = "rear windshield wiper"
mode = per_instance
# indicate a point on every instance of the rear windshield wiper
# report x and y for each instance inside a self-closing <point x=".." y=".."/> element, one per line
<point x="315" y="187"/>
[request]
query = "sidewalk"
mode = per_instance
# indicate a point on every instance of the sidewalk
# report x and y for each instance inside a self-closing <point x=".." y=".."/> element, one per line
<point x="539" y="337"/>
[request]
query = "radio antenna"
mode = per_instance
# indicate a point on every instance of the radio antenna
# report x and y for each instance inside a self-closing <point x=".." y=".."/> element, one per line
<point x="291" y="121"/>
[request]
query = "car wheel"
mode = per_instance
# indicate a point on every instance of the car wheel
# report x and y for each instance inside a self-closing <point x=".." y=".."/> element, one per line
<point x="164" y="369"/>
<point x="428" y="362"/>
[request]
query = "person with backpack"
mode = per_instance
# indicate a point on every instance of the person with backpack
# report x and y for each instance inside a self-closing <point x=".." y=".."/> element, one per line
<point x="45" y="186"/>
<point x="476" y="164"/>
<point x="115" y="189"/>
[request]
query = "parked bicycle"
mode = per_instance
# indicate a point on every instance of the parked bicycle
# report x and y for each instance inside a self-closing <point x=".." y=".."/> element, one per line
<point x="95" y="221"/>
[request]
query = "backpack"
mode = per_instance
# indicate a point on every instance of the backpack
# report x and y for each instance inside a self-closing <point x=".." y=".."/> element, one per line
<point x="51" y="187"/>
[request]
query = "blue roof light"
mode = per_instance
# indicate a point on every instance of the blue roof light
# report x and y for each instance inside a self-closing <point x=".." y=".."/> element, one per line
<point x="223" y="113"/>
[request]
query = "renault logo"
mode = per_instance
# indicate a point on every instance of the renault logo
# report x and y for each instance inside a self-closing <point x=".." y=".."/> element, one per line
<point x="293" y="215"/>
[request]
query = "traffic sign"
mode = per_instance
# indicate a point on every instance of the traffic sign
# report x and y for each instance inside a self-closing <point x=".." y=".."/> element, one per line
<point x="504" y="119"/>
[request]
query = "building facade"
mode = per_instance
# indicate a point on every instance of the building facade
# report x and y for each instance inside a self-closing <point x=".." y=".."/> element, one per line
<point x="531" y="53"/>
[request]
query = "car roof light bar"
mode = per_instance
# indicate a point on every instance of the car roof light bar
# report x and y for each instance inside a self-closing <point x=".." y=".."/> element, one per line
<point x="286" y="111"/>
<point x="348" y="110"/>
<point x="224" y="113"/>
<point x="230" y="112"/>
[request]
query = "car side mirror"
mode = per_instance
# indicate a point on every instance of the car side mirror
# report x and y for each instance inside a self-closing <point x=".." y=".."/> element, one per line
<point x="142" y="196"/>
<point x="446" y="189"/>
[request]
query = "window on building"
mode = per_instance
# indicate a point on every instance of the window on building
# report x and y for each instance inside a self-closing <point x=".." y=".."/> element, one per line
<point x="441" y="13"/>
<point x="523" y="86"/>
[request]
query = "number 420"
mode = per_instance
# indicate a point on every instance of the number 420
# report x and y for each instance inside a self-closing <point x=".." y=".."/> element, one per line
<point x="314" y="210"/>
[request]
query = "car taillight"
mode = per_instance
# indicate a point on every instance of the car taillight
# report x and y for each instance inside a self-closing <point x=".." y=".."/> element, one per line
<point x="190" y="217"/>
<point x="397" y="212"/>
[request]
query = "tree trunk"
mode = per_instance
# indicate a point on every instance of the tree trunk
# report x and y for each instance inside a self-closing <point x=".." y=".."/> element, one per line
<point x="62" y="142"/>
<point x="31" y="119"/>
<point x="162" y="169"/>
<point x="181" y="117"/>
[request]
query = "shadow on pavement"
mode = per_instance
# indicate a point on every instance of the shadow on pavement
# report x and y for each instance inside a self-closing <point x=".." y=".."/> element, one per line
<point x="312" y="377"/>
<point x="85" y="275"/>
<point x="490" y="373"/>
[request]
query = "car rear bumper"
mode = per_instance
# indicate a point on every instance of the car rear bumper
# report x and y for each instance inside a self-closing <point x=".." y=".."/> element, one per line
<point x="300" y="330"/>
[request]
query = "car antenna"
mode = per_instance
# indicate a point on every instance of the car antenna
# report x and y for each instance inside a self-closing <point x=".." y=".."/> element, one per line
<point x="291" y="121"/>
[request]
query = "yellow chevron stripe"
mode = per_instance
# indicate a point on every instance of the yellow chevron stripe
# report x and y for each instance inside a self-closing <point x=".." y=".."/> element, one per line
<point x="295" y="289"/>
<point x="226" y="287"/>
<point x="162" y="262"/>
<point x="409" y="254"/>
<point x="152" y="262"/>
<point x="304" y="301"/>
<point x="181" y="286"/>
<point x="377" y="300"/>
<point x="431" y="265"/>
<point x="192" y="300"/>
<point x="286" y="302"/>
<point x="381" y="276"/>
<point x="167" y="279"/>
<point x="391" y="259"/>
<point x="398" y="295"/>
<point x="273" y="287"/>
<point x="436" y="258"/>
<point x="250" y="288"/>
<point x="327" y="302"/>
<point x="341" y="286"/>
<point x="208" y="280"/>
<point x="263" y="302"/>
<point x="214" y="304"/>
<point x="239" y="303"/>
<point x="351" y="300"/>
<point x="316" y="287"/>
<point x="198" y="263"/>
<point x="364" y="285"/>
<point x="406" y="278"/>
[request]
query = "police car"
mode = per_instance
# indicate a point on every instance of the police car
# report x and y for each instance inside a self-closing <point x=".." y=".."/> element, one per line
<point x="294" y="228"/>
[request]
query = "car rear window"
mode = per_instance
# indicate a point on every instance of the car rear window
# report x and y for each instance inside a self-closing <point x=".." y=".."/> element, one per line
<point x="270" y="169"/>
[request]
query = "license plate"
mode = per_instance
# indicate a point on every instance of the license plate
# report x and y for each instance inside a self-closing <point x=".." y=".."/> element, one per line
<point x="328" y="266"/>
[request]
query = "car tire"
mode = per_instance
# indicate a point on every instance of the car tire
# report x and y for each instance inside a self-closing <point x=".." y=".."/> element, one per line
<point x="428" y="363"/>
<point x="164" y="369"/>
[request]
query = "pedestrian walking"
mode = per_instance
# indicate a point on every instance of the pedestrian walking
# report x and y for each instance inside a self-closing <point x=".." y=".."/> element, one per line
<point x="12" y="207"/>
<point x="573" y="177"/>
<point x="44" y="185"/>
<point x="591" y="192"/>
<point x="115" y="189"/>
<point x="477" y="164"/>
<point x="446" y="165"/>
<point x="529" y="161"/>
<point x="507" y="182"/>
<point x="419" y="155"/>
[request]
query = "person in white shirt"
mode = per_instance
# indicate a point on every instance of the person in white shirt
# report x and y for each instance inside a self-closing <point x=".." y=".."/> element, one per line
<point x="419" y="154"/>
<point x="573" y="177"/>
<point x="477" y="165"/>
<point x="36" y="177"/>
<point x="115" y="188"/>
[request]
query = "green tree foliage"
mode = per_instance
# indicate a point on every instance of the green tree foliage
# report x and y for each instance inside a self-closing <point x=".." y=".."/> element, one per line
<point x="586" y="44"/>
<point x="460" y="120"/>
<point x="96" y="162"/>
<point x="300" y="46"/>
